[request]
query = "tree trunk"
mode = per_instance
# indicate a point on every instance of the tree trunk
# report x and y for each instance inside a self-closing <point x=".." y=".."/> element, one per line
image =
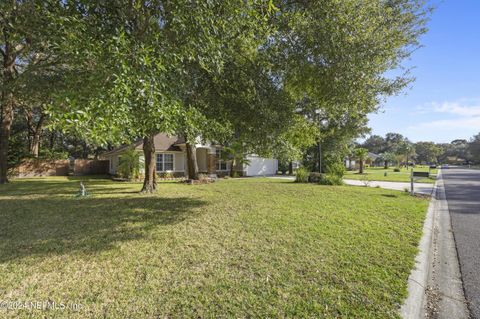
<point x="6" y="114"/>
<point x="361" y="167"/>
<point x="35" y="130"/>
<point x="96" y="153"/>
<point x="52" y="139"/>
<point x="35" y="146"/>
<point x="232" y="167"/>
<point x="150" y="180"/>
<point x="192" y="163"/>
<point x="36" y="136"/>
<point x="385" y="164"/>
<point x="319" y="158"/>
<point x="290" y="168"/>
<point x="5" y="130"/>
<point x="84" y="149"/>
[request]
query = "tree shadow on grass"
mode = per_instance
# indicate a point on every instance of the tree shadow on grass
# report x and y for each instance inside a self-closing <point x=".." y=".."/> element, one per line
<point x="36" y="187"/>
<point x="389" y="195"/>
<point x="60" y="226"/>
<point x="40" y="186"/>
<point x="71" y="186"/>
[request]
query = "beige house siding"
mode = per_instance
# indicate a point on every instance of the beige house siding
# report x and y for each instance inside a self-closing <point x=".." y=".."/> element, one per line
<point x="202" y="160"/>
<point x="179" y="159"/>
<point x="113" y="163"/>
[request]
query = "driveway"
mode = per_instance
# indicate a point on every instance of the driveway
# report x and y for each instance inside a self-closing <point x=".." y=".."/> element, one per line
<point x="462" y="188"/>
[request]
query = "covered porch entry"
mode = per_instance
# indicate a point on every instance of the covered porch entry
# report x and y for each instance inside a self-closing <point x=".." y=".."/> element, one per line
<point x="209" y="161"/>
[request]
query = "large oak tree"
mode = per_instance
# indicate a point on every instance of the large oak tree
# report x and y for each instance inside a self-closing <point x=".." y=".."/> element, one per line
<point x="244" y="66"/>
<point x="29" y="57"/>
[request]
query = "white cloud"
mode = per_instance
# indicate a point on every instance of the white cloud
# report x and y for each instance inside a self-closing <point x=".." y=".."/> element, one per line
<point x="458" y="109"/>
<point x="461" y="114"/>
<point x="438" y="121"/>
<point x="443" y="130"/>
<point x="462" y="107"/>
<point x="459" y="123"/>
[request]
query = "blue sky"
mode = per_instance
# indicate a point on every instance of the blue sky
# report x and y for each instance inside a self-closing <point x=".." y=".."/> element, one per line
<point x="443" y="103"/>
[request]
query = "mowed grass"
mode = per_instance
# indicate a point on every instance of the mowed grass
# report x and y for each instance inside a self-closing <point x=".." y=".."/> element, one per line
<point x="235" y="248"/>
<point x="378" y="174"/>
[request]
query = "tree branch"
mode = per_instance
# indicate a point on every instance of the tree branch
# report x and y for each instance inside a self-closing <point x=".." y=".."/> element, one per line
<point x="40" y="122"/>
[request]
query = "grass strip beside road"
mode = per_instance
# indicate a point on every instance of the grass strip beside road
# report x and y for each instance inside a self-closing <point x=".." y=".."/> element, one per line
<point x="389" y="175"/>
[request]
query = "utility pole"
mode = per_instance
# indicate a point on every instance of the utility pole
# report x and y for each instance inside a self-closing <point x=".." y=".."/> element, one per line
<point x="319" y="144"/>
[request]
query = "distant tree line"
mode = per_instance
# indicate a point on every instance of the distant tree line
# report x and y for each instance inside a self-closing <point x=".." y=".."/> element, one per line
<point x="394" y="148"/>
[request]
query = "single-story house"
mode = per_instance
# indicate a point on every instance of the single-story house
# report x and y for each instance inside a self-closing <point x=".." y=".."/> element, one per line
<point x="455" y="160"/>
<point x="372" y="159"/>
<point x="171" y="157"/>
<point x="349" y="163"/>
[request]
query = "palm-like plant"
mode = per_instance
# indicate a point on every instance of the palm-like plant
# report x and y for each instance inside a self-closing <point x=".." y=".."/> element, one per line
<point x="235" y="155"/>
<point x="361" y="154"/>
<point x="130" y="164"/>
<point x="406" y="150"/>
<point x="387" y="158"/>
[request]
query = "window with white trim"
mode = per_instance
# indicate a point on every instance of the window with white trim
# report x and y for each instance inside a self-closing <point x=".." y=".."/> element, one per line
<point x="221" y="163"/>
<point x="164" y="162"/>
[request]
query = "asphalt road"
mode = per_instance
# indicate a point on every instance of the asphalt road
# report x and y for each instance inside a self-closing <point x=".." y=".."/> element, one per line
<point x="462" y="187"/>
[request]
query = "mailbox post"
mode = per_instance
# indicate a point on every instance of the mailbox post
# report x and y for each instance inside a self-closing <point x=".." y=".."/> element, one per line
<point x="412" y="191"/>
<point x="414" y="175"/>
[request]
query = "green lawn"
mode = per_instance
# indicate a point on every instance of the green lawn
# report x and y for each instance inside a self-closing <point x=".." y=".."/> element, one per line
<point x="378" y="174"/>
<point x="235" y="248"/>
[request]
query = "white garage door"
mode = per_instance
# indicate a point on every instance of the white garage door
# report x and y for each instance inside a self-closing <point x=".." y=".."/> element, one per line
<point x="261" y="166"/>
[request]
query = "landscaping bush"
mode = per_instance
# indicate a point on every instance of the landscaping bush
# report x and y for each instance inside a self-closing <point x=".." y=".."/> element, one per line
<point x="165" y="175"/>
<point x="330" y="179"/>
<point x="396" y="169"/>
<point x="336" y="169"/>
<point x="203" y="176"/>
<point x="302" y="175"/>
<point x="365" y="179"/>
<point x="12" y="173"/>
<point x="315" y="177"/>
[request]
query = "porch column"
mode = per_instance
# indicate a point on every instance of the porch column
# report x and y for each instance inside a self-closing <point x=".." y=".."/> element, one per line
<point x="212" y="161"/>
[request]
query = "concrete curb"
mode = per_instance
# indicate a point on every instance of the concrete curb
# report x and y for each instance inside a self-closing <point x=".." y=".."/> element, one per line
<point x="445" y="294"/>
<point x="414" y="306"/>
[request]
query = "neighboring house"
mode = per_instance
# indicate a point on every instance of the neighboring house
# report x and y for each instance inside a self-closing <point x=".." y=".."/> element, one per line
<point x="371" y="160"/>
<point x="349" y="163"/>
<point x="455" y="160"/>
<point x="296" y="165"/>
<point x="171" y="157"/>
